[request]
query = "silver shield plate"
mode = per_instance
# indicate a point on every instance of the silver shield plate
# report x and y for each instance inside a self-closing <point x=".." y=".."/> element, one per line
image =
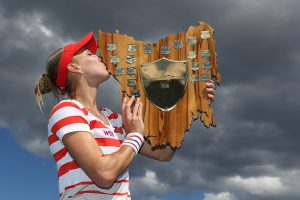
<point x="164" y="82"/>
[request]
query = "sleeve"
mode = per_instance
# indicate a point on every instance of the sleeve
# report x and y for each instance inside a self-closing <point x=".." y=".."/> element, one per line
<point x="67" y="117"/>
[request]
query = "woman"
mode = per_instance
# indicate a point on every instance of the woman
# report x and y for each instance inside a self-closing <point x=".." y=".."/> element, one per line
<point x="77" y="128"/>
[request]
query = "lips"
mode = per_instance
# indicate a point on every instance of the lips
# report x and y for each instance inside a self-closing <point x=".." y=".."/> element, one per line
<point x="105" y="66"/>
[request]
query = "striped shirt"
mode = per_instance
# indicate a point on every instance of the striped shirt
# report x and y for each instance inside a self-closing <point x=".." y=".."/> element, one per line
<point x="69" y="116"/>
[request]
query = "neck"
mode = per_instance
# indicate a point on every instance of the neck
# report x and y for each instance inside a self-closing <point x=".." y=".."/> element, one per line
<point x="87" y="97"/>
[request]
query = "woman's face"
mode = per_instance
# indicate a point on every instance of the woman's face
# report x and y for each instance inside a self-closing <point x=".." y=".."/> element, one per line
<point x="93" y="68"/>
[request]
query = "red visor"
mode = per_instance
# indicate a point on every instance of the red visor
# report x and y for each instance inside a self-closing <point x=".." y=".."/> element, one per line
<point x="69" y="51"/>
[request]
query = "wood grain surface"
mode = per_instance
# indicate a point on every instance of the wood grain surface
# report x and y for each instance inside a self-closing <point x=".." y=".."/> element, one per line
<point x="169" y="127"/>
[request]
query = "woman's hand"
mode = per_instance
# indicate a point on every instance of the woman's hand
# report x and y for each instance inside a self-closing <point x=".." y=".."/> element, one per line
<point x="210" y="89"/>
<point x="132" y="115"/>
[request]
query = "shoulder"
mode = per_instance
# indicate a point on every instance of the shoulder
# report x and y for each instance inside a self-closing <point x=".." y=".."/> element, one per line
<point x="68" y="107"/>
<point x="66" y="117"/>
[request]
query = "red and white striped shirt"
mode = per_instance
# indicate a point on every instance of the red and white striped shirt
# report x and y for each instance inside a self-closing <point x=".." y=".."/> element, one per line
<point x="69" y="116"/>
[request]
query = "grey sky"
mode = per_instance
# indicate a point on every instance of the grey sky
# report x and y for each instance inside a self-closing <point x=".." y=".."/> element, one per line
<point x="253" y="153"/>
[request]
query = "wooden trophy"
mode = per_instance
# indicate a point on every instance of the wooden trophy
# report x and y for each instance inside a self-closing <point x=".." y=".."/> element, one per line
<point x="169" y="76"/>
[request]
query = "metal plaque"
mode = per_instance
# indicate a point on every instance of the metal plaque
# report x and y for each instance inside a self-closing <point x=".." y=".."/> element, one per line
<point x="114" y="60"/>
<point x="205" y="35"/>
<point x="132" y="47"/>
<point x="177" y="44"/>
<point x="119" y="71"/>
<point x="195" y="66"/>
<point x="205" y="54"/>
<point x="131" y="82"/>
<point x="191" y="40"/>
<point x="147" y="49"/>
<point x="194" y="78"/>
<point x="111" y="46"/>
<point x="191" y="54"/>
<point x="135" y="92"/>
<point x="131" y="71"/>
<point x="204" y="77"/>
<point x="130" y="59"/>
<point x="164" y="82"/>
<point x="207" y="65"/>
<point x="165" y="50"/>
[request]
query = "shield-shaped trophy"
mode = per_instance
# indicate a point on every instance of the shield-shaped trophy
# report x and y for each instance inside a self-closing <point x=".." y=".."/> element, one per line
<point x="164" y="82"/>
<point x="169" y="76"/>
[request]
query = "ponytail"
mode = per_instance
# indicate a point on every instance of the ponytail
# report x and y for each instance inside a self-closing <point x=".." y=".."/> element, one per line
<point x="46" y="82"/>
<point x="42" y="87"/>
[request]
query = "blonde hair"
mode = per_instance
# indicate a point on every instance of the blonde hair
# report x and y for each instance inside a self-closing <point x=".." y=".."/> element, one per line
<point x="46" y="82"/>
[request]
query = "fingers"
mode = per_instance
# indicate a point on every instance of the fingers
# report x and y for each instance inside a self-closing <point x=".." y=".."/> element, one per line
<point x="210" y="84"/>
<point x="210" y="89"/>
<point x="124" y="103"/>
<point x="136" y="107"/>
<point x="132" y="115"/>
<point x="128" y="111"/>
<point x="211" y="97"/>
<point x="140" y="111"/>
<point x="125" y="99"/>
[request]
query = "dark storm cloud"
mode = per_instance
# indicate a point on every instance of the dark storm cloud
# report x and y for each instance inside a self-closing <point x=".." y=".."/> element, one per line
<point x="256" y="108"/>
<point x="131" y="17"/>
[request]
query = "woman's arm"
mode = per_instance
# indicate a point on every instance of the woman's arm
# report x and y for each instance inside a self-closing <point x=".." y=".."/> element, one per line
<point x="164" y="153"/>
<point x="104" y="169"/>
